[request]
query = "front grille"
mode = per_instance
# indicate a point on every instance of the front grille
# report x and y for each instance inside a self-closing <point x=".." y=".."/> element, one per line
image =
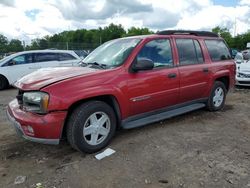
<point x="19" y="98"/>
<point x="243" y="75"/>
<point x="244" y="82"/>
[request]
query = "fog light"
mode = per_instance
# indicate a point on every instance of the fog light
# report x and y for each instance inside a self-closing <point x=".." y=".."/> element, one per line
<point x="30" y="129"/>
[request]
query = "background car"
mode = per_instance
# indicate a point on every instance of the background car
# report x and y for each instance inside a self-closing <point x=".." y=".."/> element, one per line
<point x="246" y="55"/>
<point x="242" y="68"/>
<point x="234" y="52"/>
<point x="19" y="64"/>
<point x="81" y="53"/>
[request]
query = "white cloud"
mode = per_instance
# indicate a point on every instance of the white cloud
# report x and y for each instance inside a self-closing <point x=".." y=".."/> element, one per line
<point x="244" y="2"/>
<point x="19" y="20"/>
<point x="212" y="16"/>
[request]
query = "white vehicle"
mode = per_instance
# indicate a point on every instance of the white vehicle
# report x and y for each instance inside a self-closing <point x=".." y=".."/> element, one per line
<point x="242" y="69"/>
<point x="17" y="65"/>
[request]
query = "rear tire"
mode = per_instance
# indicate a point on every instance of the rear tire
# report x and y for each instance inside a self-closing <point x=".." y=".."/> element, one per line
<point x="217" y="97"/>
<point x="91" y="126"/>
<point x="3" y="82"/>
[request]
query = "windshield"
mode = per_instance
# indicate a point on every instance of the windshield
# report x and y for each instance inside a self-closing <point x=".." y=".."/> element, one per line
<point x="113" y="53"/>
<point x="238" y="56"/>
<point x="246" y="56"/>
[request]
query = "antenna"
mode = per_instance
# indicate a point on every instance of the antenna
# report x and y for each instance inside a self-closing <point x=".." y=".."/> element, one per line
<point x="235" y="26"/>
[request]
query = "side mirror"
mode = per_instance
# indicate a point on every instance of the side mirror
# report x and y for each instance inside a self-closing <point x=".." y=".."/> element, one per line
<point x="142" y="64"/>
<point x="11" y="63"/>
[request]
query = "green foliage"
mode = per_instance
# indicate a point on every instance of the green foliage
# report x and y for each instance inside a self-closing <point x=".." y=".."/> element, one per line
<point x="3" y="44"/>
<point x="240" y="41"/>
<point x="90" y="39"/>
<point x="79" y="39"/>
<point x="133" y="31"/>
<point x="112" y="32"/>
<point x="15" y="46"/>
<point x="9" y="46"/>
<point x="237" y="42"/>
<point x="225" y="34"/>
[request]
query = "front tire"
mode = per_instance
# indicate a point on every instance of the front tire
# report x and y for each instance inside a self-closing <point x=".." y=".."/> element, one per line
<point x="3" y="82"/>
<point x="91" y="126"/>
<point x="217" y="97"/>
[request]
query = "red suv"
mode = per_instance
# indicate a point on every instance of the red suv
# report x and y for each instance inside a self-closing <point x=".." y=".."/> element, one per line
<point x="127" y="83"/>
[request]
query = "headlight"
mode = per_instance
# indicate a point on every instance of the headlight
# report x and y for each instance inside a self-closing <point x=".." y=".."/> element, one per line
<point x="36" y="102"/>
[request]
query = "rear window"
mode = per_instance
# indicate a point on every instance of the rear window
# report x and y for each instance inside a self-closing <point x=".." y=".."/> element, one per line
<point x="217" y="50"/>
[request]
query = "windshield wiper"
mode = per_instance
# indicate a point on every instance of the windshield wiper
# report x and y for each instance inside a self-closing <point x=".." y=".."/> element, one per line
<point x="82" y="64"/>
<point x="99" y="65"/>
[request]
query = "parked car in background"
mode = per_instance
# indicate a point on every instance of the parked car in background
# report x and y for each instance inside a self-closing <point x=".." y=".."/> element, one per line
<point x="242" y="68"/>
<point x="126" y="83"/>
<point x="239" y="58"/>
<point x="19" y="64"/>
<point x="234" y="52"/>
<point x="81" y="53"/>
<point x="246" y="55"/>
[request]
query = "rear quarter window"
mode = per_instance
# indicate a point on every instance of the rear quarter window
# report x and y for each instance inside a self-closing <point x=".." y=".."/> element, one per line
<point x="218" y="50"/>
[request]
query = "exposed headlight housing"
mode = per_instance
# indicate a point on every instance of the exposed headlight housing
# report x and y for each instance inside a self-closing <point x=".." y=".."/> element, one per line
<point x="36" y="102"/>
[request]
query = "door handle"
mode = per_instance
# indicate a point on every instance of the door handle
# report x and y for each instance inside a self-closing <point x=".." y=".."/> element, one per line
<point x="205" y="70"/>
<point x="171" y="75"/>
<point x="35" y="67"/>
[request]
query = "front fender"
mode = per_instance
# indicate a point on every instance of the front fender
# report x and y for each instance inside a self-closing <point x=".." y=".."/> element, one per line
<point x="62" y="101"/>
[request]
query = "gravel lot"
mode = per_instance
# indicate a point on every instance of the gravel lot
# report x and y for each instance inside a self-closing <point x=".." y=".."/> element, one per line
<point x="199" y="149"/>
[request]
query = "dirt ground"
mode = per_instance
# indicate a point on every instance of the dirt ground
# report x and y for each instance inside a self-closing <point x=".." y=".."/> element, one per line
<point x="199" y="149"/>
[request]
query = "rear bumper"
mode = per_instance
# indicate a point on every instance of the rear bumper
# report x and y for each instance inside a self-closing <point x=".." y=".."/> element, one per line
<point x="46" y="129"/>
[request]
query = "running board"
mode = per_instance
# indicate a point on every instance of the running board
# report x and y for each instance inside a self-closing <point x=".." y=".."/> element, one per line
<point x="161" y="116"/>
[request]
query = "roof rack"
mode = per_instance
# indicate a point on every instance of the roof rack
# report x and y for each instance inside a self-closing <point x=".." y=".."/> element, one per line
<point x="188" y="32"/>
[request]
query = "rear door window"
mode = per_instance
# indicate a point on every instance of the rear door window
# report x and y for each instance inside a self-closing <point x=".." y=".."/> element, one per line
<point x="45" y="57"/>
<point x="65" y="57"/>
<point x="189" y="51"/>
<point x="217" y="50"/>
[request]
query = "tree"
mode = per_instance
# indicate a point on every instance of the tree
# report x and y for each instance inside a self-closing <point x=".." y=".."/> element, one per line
<point x="245" y="38"/>
<point x="138" y="31"/>
<point x="3" y="44"/>
<point x="15" y="46"/>
<point x="225" y="34"/>
<point x="34" y="45"/>
<point x="90" y="39"/>
<point x="112" y="32"/>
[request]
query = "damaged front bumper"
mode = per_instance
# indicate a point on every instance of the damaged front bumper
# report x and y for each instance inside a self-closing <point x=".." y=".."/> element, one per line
<point x="45" y="129"/>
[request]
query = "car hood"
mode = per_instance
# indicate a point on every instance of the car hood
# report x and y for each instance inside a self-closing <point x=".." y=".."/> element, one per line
<point x="47" y="76"/>
<point x="244" y="67"/>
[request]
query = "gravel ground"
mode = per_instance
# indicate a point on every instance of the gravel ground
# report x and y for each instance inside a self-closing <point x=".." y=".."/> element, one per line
<point x="198" y="149"/>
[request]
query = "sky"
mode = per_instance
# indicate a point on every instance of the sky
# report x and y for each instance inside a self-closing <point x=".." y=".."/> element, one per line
<point x="26" y="19"/>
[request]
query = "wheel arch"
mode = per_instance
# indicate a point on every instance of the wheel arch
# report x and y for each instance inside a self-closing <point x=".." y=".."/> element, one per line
<point x="8" y="83"/>
<point x="224" y="80"/>
<point x="109" y="99"/>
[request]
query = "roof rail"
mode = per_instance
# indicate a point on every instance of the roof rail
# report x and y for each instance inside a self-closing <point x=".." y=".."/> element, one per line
<point x="188" y="32"/>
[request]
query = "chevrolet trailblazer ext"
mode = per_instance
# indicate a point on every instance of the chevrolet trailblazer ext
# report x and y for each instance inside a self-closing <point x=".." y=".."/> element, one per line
<point x="127" y="83"/>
